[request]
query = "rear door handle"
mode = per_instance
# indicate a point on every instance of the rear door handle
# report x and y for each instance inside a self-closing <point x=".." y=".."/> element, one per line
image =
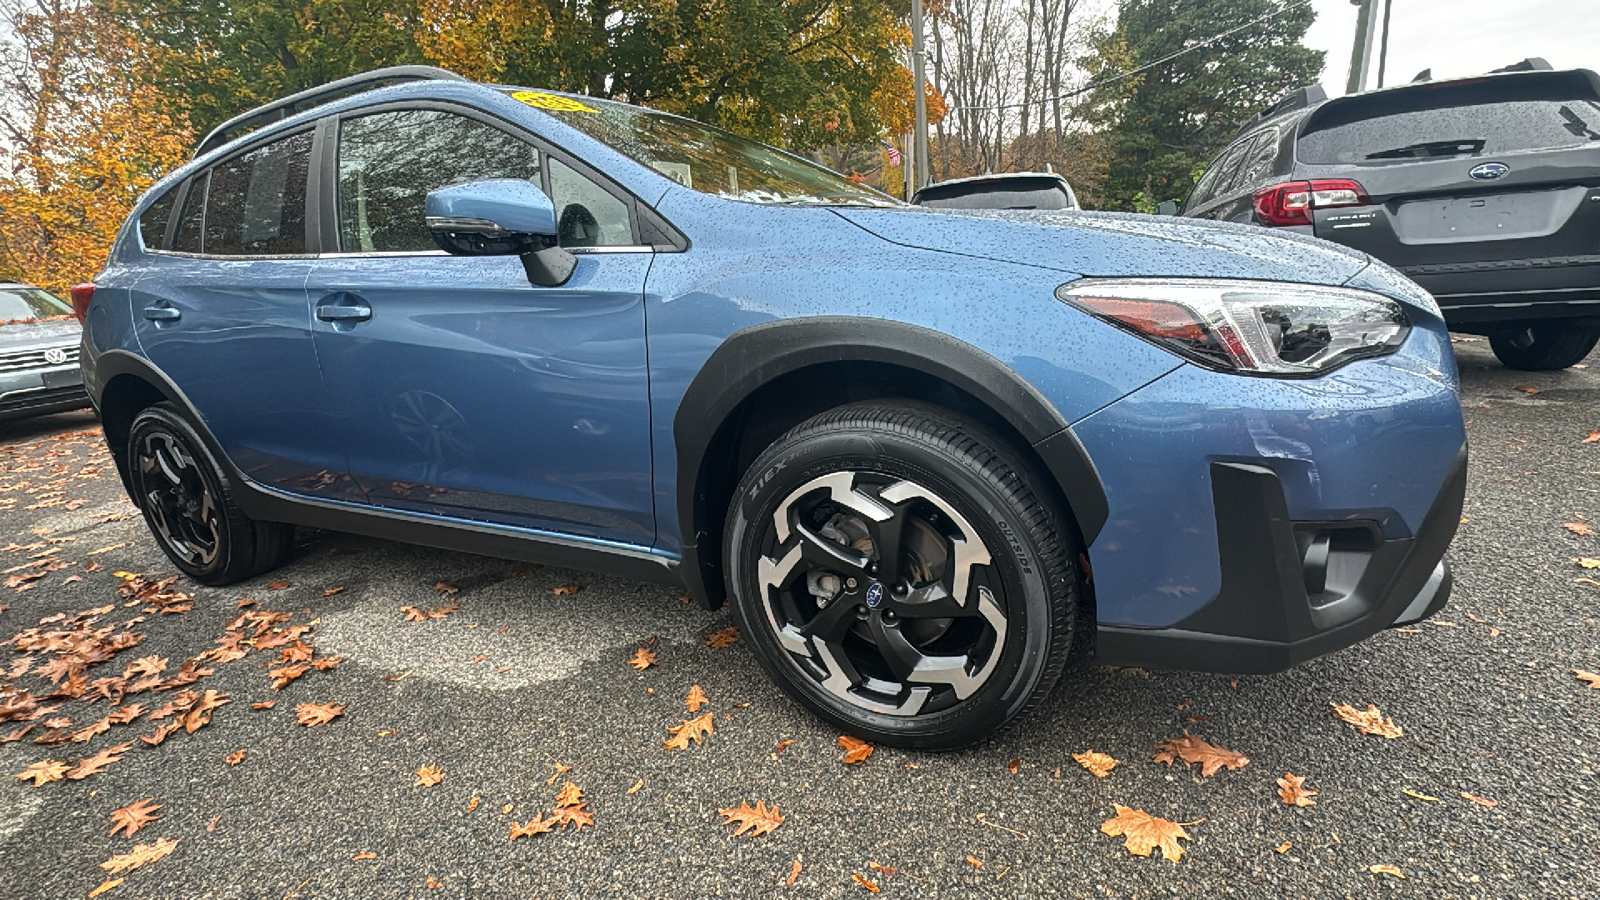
<point x="343" y="308"/>
<point x="162" y="314"/>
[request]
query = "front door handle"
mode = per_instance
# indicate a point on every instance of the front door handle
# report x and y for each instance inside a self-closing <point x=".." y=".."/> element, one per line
<point x="162" y="314"/>
<point x="343" y="308"/>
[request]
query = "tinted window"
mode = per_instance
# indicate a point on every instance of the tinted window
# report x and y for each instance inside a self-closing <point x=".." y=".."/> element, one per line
<point x="1463" y="119"/>
<point x="1017" y="193"/>
<point x="1217" y="178"/>
<point x="153" y="224"/>
<point x="1228" y="175"/>
<point x="388" y="162"/>
<point x="257" y="202"/>
<point x="588" y="215"/>
<point x="194" y="208"/>
<point x="1258" y="159"/>
<point x="25" y="303"/>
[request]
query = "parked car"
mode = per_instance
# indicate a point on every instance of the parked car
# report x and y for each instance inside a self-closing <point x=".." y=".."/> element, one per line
<point x="38" y="354"/>
<point x="1008" y="190"/>
<point x="560" y="329"/>
<point x="1484" y="190"/>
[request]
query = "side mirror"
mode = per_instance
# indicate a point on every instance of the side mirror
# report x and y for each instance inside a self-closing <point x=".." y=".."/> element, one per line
<point x="500" y="217"/>
<point x="1167" y="208"/>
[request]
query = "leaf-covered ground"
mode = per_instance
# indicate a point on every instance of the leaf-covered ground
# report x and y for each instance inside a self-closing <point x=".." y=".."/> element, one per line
<point x="410" y="711"/>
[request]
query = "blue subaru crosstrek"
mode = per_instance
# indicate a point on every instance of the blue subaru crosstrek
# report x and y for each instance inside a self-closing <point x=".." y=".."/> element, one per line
<point x="925" y="454"/>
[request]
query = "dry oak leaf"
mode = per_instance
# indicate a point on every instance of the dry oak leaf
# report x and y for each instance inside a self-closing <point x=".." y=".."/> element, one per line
<point x="1098" y="764"/>
<point x="1576" y="527"/>
<point x="1589" y="678"/>
<point x="201" y="713"/>
<point x="1594" y="437"/>
<point x="428" y="776"/>
<point x="278" y="585"/>
<point x="690" y="730"/>
<point x="264" y="704"/>
<point x="105" y="886"/>
<point x="565" y="590"/>
<point x="133" y="817"/>
<point x="696" y="699"/>
<point x="1386" y="870"/>
<point x="856" y="750"/>
<point x="433" y="882"/>
<point x="309" y="714"/>
<point x="1193" y="750"/>
<point x="569" y="795"/>
<point x="1370" y="721"/>
<point x="727" y="637"/>
<point x="536" y="825"/>
<point x="870" y="885"/>
<point x="1292" y="790"/>
<point x="140" y="855"/>
<point x="1588" y="562"/>
<point x="757" y="821"/>
<point x="643" y="659"/>
<point x="576" y="816"/>
<point x="234" y="758"/>
<point x="1145" y="833"/>
<point x="794" y="872"/>
<point x="44" y="772"/>
<point x="1283" y="847"/>
<point x="365" y="854"/>
<point x="95" y="763"/>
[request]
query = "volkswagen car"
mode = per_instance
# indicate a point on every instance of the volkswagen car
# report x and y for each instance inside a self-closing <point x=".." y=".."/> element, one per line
<point x="926" y="456"/>
<point x="39" y="341"/>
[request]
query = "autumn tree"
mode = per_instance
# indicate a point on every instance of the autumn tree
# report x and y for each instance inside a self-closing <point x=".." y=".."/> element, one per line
<point x="80" y="140"/>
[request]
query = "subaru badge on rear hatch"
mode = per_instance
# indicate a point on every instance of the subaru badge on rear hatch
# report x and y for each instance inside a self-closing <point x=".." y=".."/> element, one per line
<point x="1490" y="171"/>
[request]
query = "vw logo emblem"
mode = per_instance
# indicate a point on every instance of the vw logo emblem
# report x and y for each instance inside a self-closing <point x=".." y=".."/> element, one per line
<point x="875" y="595"/>
<point x="55" y="356"/>
<point x="1490" y="171"/>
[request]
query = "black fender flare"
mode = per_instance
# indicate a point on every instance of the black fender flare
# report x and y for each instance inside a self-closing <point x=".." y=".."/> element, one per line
<point x="753" y="357"/>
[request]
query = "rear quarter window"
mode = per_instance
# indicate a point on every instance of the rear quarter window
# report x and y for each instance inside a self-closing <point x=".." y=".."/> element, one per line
<point x="153" y="221"/>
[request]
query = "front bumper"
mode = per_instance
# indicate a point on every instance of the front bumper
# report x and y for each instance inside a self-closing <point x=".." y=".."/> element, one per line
<point x="1294" y="590"/>
<point x="36" y="392"/>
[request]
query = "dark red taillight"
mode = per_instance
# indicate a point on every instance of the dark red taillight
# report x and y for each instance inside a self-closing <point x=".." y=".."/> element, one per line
<point x="1291" y="203"/>
<point x="81" y="294"/>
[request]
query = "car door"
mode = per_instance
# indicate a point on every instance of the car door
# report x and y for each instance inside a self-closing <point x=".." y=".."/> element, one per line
<point x="221" y="308"/>
<point x="462" y="389"/>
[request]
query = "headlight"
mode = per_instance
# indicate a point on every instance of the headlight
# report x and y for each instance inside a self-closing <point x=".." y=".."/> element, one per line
<point x="1260" y="327"/>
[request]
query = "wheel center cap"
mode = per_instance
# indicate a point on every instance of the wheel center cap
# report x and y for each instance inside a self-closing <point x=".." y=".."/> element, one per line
<point x="874" y="595"/>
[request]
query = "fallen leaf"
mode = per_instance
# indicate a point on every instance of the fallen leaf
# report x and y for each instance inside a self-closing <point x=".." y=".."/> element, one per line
<point x="212" y="825"/>
<point x="264" y="704"/>
<point x="1098" y="764"/>
<point x="472" y="805"/>
<point x="1588" y="562"/>
<point x="1291" y="789"/>
<point x="643" y="659"/>
<point x="870" y="885"/>
<point x="794" y="872"/>
<point x="565" y="590"/>
<point x="976" y="862"/>
<point x="569" y="795"/>
<point x="1193" y="750"/>
<point x="636" y="786"/>
<point x="1283" y="847"/>
<point x="234" y="758"/>
<point x="1527" y="389"/>
<point x="1145" y="833"/>
<point x="690" y="730"/>
<point x="365" y="854"/>
<point x="1386" y="870"/>
<point x="1481" y="801"/>
<point x="95" y="763"/>
<point x="782" y="745"/>
<point x="1594" y="437"/>
<point x="278" y="585"/>
<point x="1413" y="794"/>
<point x="105" y="886"/>
<point x="44" y="772"/>
<point x="536" y="825"/>
<point x="557" y="774"/>
<point x="200" y="713"/>
<point x="696" y="698"/>
<point x="428" y="776"/>
<point x="140" y="855"/>
<point x="1013" y="766"/>
<point x="446" y="589"/>
<point x="309" y="714"/>
<point x="434" y="883"/>
<point x="1589" y="678"/>
<point x="727" y="637"/>
<point x="1576" y="527"/>
<point x="1370" y="721"/>
<point x="886" y="870"/>
<point x="575" y="816"/>
<point x="856" y="751"/>
<point x="331" y="591"/>
<point x="757" y="821"/>
<point x="133" y="817"/>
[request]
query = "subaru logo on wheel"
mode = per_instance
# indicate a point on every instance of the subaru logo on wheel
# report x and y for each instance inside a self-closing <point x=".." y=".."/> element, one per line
<point x="1490" y="171"/>
<point x="55" y="356"/>
<point x="874" y="595"/>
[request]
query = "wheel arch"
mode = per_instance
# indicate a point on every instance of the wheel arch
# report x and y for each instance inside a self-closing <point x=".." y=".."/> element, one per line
<point x="131" y="384"/>
<point x="766" y="379"/>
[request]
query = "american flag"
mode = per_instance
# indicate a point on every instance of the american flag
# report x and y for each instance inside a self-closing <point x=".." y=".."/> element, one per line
<point x="893" y="151"/>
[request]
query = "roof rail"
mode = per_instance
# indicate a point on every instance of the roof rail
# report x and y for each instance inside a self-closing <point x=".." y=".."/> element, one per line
<point x="1299" y="98"/>
<point x="288" y="106"/>
<point x="1531" y="64"/>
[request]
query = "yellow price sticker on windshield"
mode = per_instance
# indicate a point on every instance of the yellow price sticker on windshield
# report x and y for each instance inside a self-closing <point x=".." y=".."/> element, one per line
<point x="552" y="102"/>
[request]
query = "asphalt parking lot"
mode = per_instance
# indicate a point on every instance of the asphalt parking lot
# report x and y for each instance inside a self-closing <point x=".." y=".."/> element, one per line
<point x="525" y="687"/>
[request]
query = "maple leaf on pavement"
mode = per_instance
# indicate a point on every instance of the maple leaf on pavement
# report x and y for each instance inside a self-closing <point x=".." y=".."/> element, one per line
<point x="855" y="750"/>
<point x="95" y="763"/>
<point x="757" y="821"/>
<point x="1145" y="833"/>
<point x="1589" y="678"/>
<point x="575" y="816"/>
<point x="140" y="855"/>
<point x="133" y="817"/>
<point x="1369" y="721"/>
<point x="643" y="659"/>
<point x="536" y="825"/>
<point x="696" y="699"/>
<point x="1098" y="764"/>
<point x="309" y="714"/>
<point x="1291" y="789"/>
<point x="1193" y="750"/>
<point x="727" y="637"/>
<point x="690" y="730"/>
<point x="44" y="772"/>
<point x="569" y="795"/>
<point x="428" y="776"/>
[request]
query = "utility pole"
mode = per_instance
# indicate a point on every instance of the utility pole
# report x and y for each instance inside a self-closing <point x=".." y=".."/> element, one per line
<point x="1361" y="53"/>
<point x="1383" y="51"/>
<point x="919" y="102"/>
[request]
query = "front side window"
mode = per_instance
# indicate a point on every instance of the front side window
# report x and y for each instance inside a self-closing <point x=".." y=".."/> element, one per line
<point x="389" y="161"/>
<point x="587" y="214"/>
<point x="256" y="205"/>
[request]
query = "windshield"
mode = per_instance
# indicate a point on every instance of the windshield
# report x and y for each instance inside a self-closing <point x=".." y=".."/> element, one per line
<point x="704" y="158"/>
<point x="26" y="304"/>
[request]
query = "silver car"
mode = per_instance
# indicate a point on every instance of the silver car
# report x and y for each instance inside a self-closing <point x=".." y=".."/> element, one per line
<point x="38" y="353"/>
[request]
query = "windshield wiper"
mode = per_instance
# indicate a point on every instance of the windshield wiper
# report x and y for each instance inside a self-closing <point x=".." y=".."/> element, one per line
<point x="1427" y="149"/>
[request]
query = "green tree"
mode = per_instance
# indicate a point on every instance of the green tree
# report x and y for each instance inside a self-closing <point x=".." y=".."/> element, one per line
<point x="1163" y="125"/>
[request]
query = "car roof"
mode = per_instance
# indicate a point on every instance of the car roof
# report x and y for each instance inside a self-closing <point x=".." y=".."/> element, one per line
<point x="992" y="177"/>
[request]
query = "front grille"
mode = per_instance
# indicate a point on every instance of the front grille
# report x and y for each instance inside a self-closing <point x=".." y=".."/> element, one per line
<point x="35" y="359"/>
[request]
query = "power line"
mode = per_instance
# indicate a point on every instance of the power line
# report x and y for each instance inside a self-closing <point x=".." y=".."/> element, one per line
<point x="1132" y="72"/>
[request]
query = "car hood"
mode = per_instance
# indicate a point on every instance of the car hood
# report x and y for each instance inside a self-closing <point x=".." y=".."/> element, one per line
<point x="40" y="334"/>
<point x="1116" y="244"/>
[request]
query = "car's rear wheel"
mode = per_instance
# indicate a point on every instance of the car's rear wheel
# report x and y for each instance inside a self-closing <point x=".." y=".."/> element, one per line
<point x="1545" y="346"/>
<point x="187" y="501"/>
<point x="899" y="573"/>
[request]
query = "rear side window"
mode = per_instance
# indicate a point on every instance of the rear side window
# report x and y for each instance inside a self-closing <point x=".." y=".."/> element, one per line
<point x="389" y="161"/>
<point x="256" y="205"/>
<point x="1258" y="159"/>
<point x="1485" y="117"/>
<point x="153" y="223"/>
<point x="194" y="215"/>
<point x="1217" y="178"/>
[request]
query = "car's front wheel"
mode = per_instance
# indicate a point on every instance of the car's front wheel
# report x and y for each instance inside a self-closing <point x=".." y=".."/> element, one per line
<point x="187" y="501"/>
<point x="900" y="572"/>
<point x="1544" y="347"/>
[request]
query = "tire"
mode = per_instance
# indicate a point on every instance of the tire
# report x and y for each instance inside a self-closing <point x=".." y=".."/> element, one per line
<point x="187" y="501"/>
<point x="1543" y="347"/>
<point x="884" y="645"/>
